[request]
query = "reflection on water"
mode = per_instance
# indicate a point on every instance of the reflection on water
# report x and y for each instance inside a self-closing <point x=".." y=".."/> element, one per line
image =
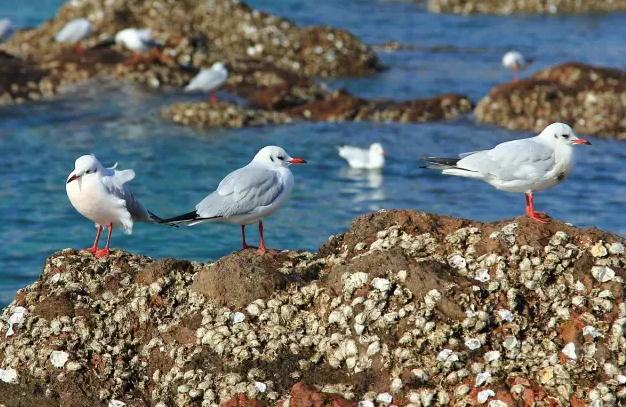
<point x="364" y="186"/>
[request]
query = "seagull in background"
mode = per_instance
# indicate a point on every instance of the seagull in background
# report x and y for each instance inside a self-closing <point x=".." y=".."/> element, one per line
<point x="372" y="158"/>
<point x="139" y="41"/>
<point x="247" y="195"/>
<point x="525" y="165"/>
<point x="208" y="80"/>
<point x="74" y="32"/>
<point x="7" y="29"/>
<point x="102" y="195"/>
<point x="515" y="61"/>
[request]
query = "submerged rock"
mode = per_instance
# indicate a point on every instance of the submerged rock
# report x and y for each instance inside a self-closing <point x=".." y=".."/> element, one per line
<point x="524" y="6"/>
<point x="591" y="99"/>
<point x="383" y="313"/>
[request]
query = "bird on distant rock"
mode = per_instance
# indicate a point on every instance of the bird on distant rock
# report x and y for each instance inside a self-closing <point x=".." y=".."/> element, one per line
<point x="7" y="29"/>
<point x="208" y="80"/>
<point x="525" y="165"/>
<point x="515" y="61"/>
<point x="74" y="32"/>
<point x="139" y="41"/>
<point x="372" y="158"/>
<point x="247" y="195"/>
<point x="103" y="196"/>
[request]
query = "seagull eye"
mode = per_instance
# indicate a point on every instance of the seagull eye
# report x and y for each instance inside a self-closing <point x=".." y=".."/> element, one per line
<point x="565" y="136"/>
<point x="280" y="157"/>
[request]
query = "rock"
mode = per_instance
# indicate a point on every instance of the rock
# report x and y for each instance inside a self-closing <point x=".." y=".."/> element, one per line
<point x="240" y="278"/>
<point x="8" y="376"/>
<point x="524" y="6"/>
<point x="589" y="98"/>
<point x="257" y="330"/>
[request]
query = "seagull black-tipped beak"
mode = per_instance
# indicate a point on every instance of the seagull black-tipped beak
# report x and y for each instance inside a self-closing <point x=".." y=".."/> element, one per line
<point x="72" y="178"/>
<point x="296" y="160"/>
<point x="581" y="141"/>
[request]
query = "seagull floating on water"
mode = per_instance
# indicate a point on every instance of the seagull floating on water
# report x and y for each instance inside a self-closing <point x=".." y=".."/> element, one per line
<point x="247" y="195"/>
<point x="526" y="165"/>
<point x="208" y="80"/>
<point x="102" y="195"/>
<point x="515" y="61"/>
<point x="7" y="29"/>
<point x="74" y="32"/>
<point x="372" y="158"/>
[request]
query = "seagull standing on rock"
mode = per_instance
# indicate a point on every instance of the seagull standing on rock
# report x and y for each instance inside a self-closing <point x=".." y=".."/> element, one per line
<point x="7" y="29"/>
<point x="137" y="40"/>
<point x="515" y="61"/>
<point x="526" y="165"/>
<point x="208" y="80"/>
<point x="74" y="32"/>
<point x="247" y="195"/>
<point x="102" y="195"/>
<point x="372" y="158"/>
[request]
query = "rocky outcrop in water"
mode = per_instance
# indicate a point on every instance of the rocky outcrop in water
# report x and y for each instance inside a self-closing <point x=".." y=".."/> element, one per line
<point x="525" y="6"/>
<point x="591" y="99"/>
<point x="194" y="34"/>
<point x="404" y="308"/>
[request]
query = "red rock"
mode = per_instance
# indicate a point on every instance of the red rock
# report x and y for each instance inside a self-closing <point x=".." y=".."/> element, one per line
<point x="303" y="395"/>
<point x="241" y="400"/>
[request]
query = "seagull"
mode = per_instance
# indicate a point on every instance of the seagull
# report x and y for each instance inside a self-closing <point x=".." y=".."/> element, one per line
<point x="525" y="165"/>
<point x="209" y="79"/>
<point x="73" y="32"/>
<point x="102" y="195"/>
<point x="372" y="158"/>
<point x="516" y="62"/>
<point x="6" y="29"/>
<point x="136" y="40"/>
<point x="247" y="195"/>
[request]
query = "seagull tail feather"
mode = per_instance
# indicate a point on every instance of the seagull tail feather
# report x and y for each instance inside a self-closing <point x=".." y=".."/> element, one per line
<point x="157" y="219"/>
<point x="440" y="163"/>
<point x="189" y="218"/>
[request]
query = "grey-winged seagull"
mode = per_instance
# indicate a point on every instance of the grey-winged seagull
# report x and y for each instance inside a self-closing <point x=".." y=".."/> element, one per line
<point x="208" y="80"/>
<point x="73" y="32"/>
<point x="247" y="195"/>
<point x="525" y="165"/>
<point x="515" y="61"/>
<point x="103" y="196"/>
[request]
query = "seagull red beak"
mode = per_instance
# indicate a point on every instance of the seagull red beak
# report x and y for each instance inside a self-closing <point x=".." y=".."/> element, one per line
<point x="72" y="178"/>
<point x="296" y="160"/>
<point x="581" y="141"/>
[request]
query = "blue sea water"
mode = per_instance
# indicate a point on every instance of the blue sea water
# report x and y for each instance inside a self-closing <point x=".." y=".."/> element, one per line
<point x="176" y="166"/>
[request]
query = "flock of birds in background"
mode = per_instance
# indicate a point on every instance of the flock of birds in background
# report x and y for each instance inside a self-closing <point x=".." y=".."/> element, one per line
<point x="251" y="193"/>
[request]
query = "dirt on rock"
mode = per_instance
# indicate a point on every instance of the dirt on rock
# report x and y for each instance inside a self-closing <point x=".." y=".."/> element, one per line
<point x="591" y="99"/>
<point x="403" y="308"/>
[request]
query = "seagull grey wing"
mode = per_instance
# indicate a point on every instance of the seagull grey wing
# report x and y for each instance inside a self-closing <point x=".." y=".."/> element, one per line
<point x="513" y="160"/>
<point x="241" y="192"/>
<point x="116" y="184"/>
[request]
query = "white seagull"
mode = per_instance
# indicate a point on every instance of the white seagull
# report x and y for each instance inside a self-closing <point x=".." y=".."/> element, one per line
<point x="208" y="79"/>
<point x="526" y="165"/>
<point x="6" y="29"/>
<point x="136" y="40"/>
<point x="372" y="158"/>
<point x="102" y="195"/>
<point x="247" y="195"/>
<point x="73" y="32"/>
<point x="515" y="61"/>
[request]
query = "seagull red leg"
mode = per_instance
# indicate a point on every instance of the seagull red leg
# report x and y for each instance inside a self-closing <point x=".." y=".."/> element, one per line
<point x="540" y="217"/>
<point x="106" y="251"/>
<point x="93" y="249"/>
<point x="243" y="237"/>
<point x="213" y="98"/>
<point x="262" y="248"/>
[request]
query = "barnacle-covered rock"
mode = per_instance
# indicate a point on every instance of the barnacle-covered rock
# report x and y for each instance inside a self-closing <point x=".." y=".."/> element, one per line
<point x="524" y="6"/>
<point x="388" y="311"/>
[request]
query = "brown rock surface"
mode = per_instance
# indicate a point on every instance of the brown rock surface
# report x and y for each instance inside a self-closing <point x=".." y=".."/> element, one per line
<point x="524" y="6"/>
<point x="398" y="304"/>
<point x="591" y="99"/>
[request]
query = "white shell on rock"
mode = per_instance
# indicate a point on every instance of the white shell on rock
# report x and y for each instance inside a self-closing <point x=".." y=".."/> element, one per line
<point x="492" y="355"/>
<point x="444" y="355"/>
<point x="484" y="395"/>
<point x="236" y="317"/>
<point x="497" y="403"/>
<point x="58" y="358"/>
<point x="602" y="273"/>
<point x="260" y="387"/>
<point x="116" y="403"/>
<point x="591" y="331"/>
<point x="616" y="248"/>
<point x="354" y="281"/>
<point x="381" y="284"/>
<point x="482" y="275"/>
<point x="473" y="343"/>
<point x="17" y="318"/>
<point x="384" y="398"/>
<point x="505" y="315"/>
<point x="365" y="403"/>
<point x="569" y="350"/>
<point x="8" y="375"/>
<point x="482" y="378"/>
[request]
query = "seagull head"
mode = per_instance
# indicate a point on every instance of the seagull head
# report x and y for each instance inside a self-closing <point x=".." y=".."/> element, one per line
<point x="84" y="167"/>
<point x="218" y="66"/>
<point x="376" y="149"/>
<point x="276" y="157"/>
<point x="561" y="134"/>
